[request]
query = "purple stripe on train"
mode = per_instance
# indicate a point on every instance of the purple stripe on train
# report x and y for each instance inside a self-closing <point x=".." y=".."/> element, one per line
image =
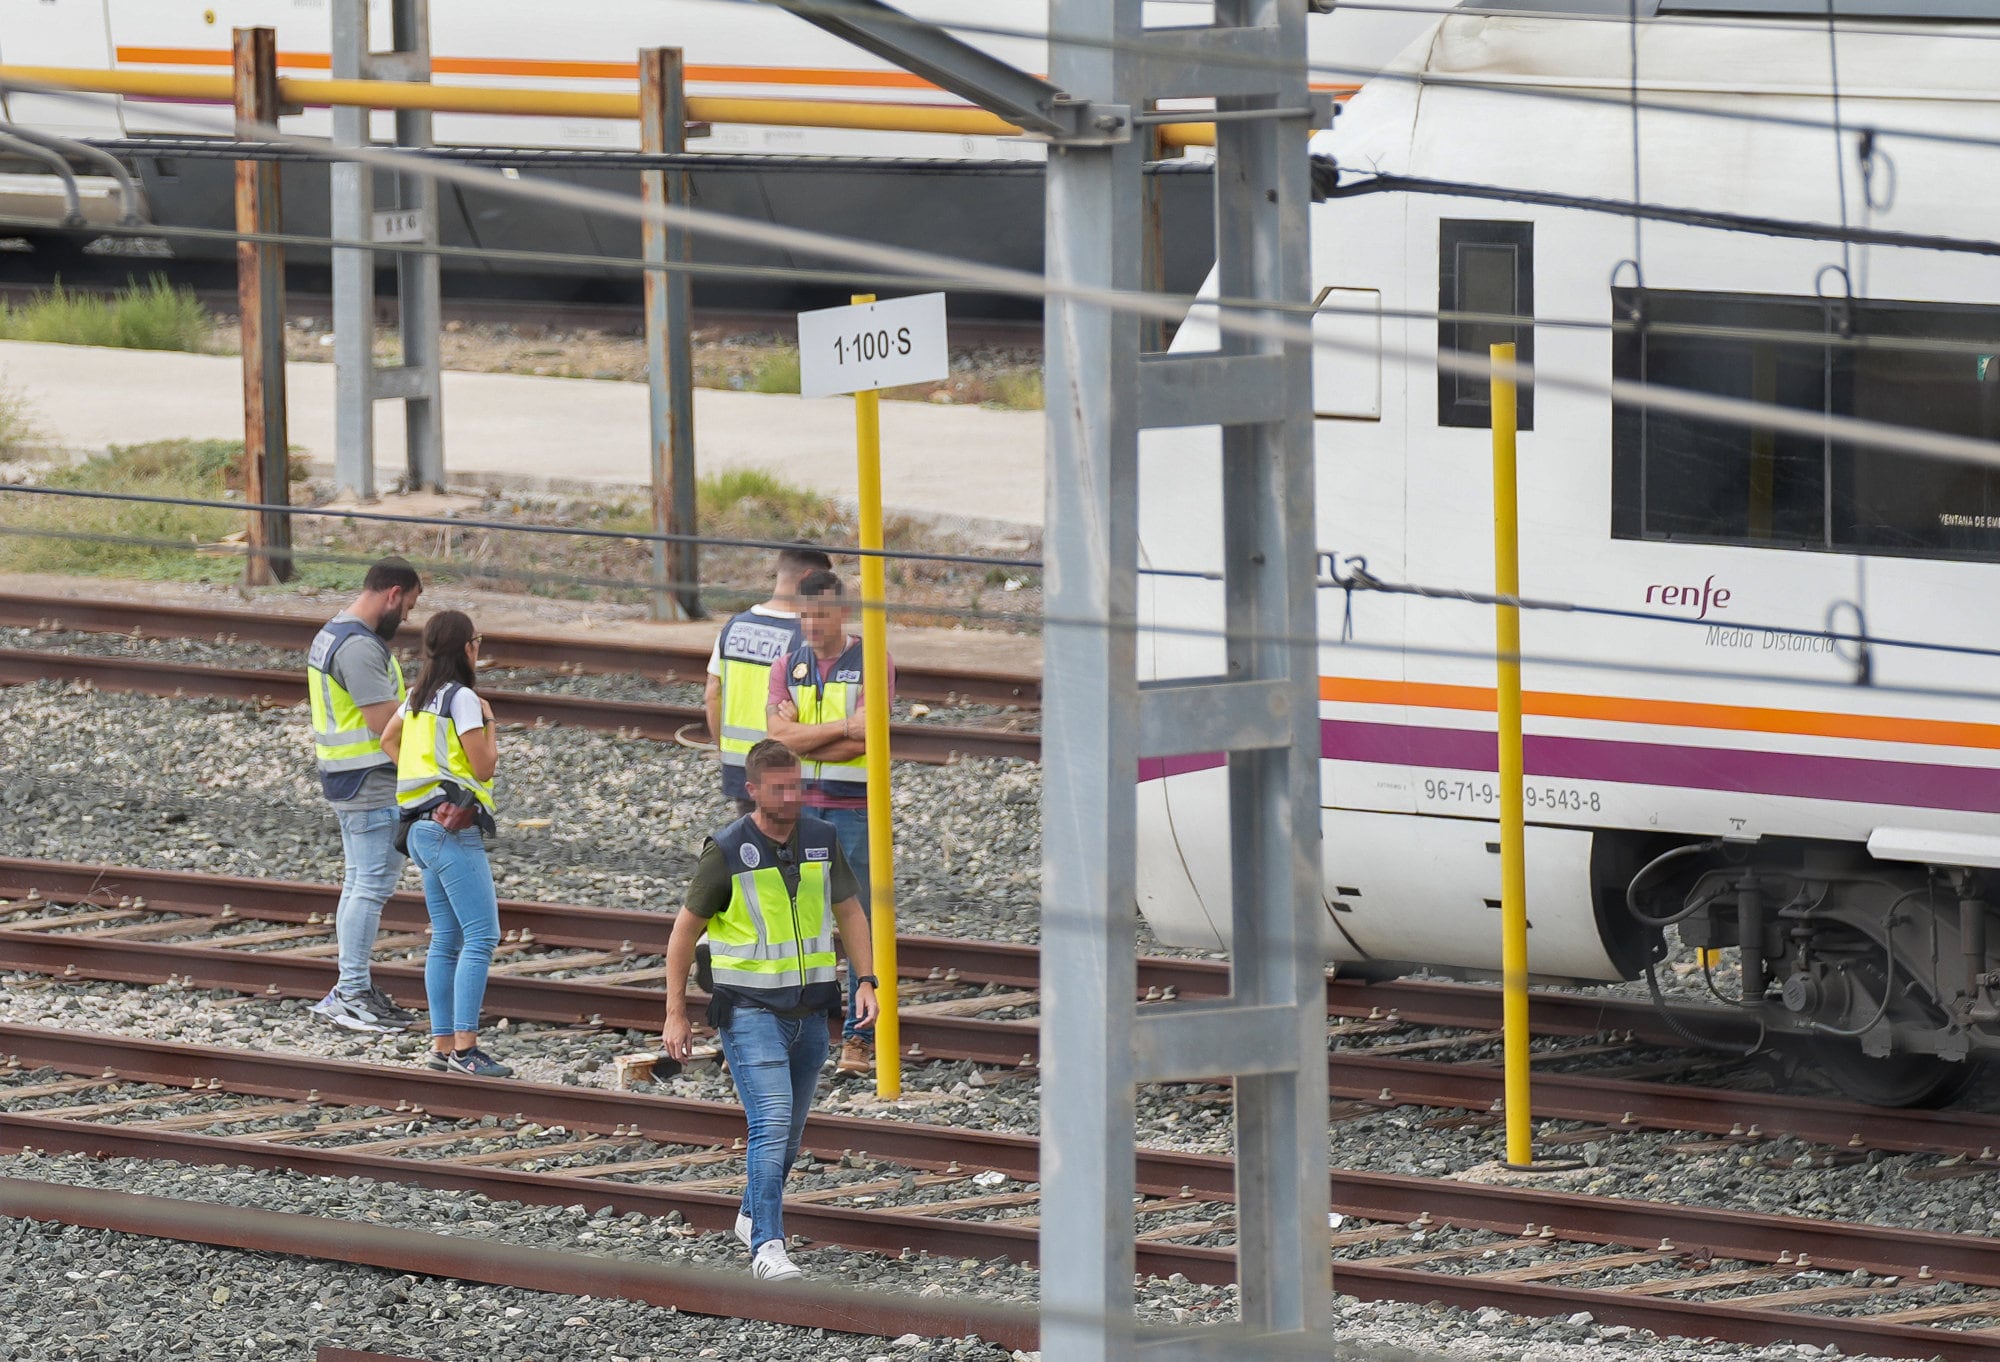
<point x="1861" y="780"/>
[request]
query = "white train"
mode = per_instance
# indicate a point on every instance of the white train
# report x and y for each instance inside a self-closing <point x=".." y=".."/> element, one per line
<point x="977" y="196"/>
<point x="1831" y="816"/>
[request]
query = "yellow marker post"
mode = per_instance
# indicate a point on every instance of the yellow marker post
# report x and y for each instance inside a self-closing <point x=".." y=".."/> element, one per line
<point x="875" y="699"/>
<point x="1513" y="817"/>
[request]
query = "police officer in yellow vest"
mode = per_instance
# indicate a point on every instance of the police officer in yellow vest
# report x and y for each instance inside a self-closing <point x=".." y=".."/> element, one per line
<point x="739" y="669"/>
<point x="816" y="708"/>
<point x="353" y="686"/>
<point x="767" y="893"/>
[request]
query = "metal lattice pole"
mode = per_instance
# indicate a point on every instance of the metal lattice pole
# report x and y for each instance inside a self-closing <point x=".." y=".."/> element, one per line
<point x="1263" y="711"/>
<point x="358" y="383"/>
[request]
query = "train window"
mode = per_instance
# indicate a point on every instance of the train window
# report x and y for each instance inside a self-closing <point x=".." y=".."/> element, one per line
<point x="1930" y="366"/>
<point x="1486" y="268"/>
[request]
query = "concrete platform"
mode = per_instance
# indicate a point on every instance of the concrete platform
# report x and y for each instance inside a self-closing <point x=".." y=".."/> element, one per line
<point x="953" y="464"/>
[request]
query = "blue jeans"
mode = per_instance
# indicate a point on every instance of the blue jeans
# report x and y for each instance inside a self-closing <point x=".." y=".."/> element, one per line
<point x="851" y="826"/>
<point x="465" y="922"/>
<point x="368" y="844"/>
<point x="775" y="1062"/>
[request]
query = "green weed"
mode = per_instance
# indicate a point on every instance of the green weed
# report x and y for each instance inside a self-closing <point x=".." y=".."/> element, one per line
<point x="155" y="315"/>
<point x="19" y="433"/>
<point x="777" y="372"/>
<point x="1018" y="390"/>
<point x="86" y="536"/>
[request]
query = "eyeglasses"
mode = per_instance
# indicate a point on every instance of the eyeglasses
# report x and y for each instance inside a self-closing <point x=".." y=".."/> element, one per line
<point x="477" y="637"/>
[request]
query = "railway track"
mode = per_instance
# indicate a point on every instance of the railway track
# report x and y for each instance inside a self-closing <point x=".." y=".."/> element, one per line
<point x="130" y="918"/>
<point x="668" y="662"/>
<point x="922" y="742"/>
<point x="902" y="1186"/>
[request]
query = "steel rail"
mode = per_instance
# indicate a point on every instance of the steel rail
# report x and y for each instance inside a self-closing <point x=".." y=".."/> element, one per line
<point x="931" y="743"/>
<point x="1011" y="964"/>
<point x="1353" y="1075"/>
<point x="497" y="1263"/>
<point x="664" y="661"/>
<point x="1752" y="1237"/>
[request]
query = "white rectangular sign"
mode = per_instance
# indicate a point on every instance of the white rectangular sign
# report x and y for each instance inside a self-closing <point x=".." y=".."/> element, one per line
<point x="400" y="225"/>
<point x="873" y="345"/>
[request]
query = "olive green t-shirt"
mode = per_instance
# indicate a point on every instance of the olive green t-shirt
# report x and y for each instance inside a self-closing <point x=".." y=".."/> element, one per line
<point x="709" y="894"/>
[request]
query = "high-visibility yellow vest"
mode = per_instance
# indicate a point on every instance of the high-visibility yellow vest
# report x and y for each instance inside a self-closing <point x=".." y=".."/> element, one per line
<point x="771" y="941"/>
<point x="747" y="647"/>
<point x="342" y="740"/>
<point x="430" y="754"/>
<point x="828" y="702"/>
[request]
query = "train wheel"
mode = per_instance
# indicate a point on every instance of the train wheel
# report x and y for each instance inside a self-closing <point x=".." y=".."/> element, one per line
<point x="1893" y="1080"/>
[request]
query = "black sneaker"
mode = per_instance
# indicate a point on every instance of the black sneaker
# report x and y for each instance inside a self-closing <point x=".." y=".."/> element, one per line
<point x="477" y="1063"/>
<point x="385" y="1009"/>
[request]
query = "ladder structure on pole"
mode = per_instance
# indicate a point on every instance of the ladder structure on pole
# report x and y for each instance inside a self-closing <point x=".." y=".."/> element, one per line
<point x="1109" y="75"/>
<point x="1099" y="721"/>
<point x="412" y="219"/>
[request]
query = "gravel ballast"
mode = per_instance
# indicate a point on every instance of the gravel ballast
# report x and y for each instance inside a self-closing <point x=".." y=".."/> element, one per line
<point x="227" y="788"/>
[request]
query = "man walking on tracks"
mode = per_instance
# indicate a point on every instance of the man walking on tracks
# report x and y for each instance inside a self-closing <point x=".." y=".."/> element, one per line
<point x="354" y="686"/>
<point x="739" y="669"/>
<point x="767" y="892"/>
<point x="817" y="710"/>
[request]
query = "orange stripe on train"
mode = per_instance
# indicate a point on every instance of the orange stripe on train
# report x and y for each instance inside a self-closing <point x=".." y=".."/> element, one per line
<point x="1670" y="713"/>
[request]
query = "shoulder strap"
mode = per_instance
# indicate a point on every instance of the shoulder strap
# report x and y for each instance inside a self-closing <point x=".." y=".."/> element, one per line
<point x="331" y="639"/>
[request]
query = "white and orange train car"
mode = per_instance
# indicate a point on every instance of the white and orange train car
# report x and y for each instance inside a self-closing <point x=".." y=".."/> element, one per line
<point x="976" y="196"/>
<point x="1720" y="756"/>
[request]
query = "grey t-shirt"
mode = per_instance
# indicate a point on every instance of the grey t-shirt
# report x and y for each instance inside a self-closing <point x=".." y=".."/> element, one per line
<point x="362" y="669"/>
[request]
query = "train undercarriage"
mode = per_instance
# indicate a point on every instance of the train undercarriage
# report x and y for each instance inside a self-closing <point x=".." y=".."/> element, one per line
<point x="1882" y="974"/>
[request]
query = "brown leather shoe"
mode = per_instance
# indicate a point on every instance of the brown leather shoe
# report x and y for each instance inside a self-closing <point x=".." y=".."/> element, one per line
<point x="856" y="1057"/>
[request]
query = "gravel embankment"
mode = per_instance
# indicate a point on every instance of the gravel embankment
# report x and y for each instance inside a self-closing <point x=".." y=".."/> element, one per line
<point x="224" y="788"/>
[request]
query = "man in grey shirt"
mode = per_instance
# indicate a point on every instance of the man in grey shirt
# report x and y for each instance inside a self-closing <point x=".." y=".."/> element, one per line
<point x="355" y="685"/>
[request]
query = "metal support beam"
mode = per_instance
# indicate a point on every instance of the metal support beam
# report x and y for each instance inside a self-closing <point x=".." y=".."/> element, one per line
<point x="1182" y="718"/>
<point x="260" y="307"/>
<point x="1211" y="390"/>
<point x="669" y="339"/>
<point x="416" y="382"/>
<point x="950" y="63"/>
<point x="1089" y="712"/>
<point x="1263" y="711"/>
<point x="419" y="285"/>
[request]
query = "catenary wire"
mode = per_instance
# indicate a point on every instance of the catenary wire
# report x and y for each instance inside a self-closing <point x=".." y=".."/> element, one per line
<point x="1774" y="227"/>
<point x="1390" y="75"/>
<point x="1734" y="411"/>
<point x="1358" y="580"/>
<point x="1255" y="319"/>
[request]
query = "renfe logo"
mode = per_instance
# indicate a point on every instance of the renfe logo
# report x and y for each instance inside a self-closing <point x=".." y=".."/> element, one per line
<point x="1708" y="596"/>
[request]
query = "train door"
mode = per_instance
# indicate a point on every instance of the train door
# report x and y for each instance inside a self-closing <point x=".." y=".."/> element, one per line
<point x="58" y="33"/>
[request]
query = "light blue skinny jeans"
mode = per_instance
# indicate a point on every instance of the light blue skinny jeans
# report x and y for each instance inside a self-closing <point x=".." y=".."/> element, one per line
<point x="851" y="827"/>
<point x="368" y="844"/>
<point x="465" y="922"/>
<point x="775" y="1062"/>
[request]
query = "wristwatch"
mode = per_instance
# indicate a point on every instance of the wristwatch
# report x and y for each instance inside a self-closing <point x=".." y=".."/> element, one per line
<point x="867" y="979"/>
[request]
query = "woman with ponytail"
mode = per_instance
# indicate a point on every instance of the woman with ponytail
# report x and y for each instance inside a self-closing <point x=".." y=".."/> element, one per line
<point x="445" y="751"/>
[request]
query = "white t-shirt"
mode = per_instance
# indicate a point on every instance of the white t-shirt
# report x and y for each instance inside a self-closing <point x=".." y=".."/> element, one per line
<point x="715" y="651"/>
<point x="465" y="711"/>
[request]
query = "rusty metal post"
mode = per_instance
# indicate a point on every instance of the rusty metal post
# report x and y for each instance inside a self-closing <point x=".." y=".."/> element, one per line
<point x="260" y="303"/>
<point x="669" y="339"/>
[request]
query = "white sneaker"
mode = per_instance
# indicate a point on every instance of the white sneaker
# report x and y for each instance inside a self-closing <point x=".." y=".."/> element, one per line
<point x="350" y="1011"/>
<point x="743" y="1228"/>
<point x="773" y="1264"/>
